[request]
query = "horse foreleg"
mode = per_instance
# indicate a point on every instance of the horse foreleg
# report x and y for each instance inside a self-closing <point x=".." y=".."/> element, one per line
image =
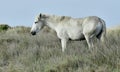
<point x="63" y="43"/>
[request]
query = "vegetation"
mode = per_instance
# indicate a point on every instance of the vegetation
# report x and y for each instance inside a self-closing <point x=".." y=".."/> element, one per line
<point x="22" y="52"/>
<point x="4" y="27"/>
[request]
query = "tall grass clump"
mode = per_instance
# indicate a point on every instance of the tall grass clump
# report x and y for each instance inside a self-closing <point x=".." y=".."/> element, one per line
<point x="22" y="52"/>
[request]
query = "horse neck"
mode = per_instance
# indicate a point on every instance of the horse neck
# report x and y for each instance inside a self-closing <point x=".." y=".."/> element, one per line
<point x="51" y="25"/>
<point x="53" y="22"/>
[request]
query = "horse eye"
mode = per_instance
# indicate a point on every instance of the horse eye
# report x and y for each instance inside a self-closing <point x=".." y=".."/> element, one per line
<point x="36" y="22"/>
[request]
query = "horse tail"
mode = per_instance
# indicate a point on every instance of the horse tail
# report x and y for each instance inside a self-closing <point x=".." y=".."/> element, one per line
<point x="103" y="35"/>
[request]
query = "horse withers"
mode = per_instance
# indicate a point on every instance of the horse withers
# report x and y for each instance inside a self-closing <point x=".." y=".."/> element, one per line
<point x="68" y="28"/>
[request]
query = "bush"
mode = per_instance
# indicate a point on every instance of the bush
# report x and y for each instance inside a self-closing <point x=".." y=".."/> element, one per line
<point x="4" y="27"/>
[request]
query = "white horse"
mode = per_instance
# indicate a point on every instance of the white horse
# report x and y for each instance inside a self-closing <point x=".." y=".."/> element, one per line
<point x="68" y="28"/>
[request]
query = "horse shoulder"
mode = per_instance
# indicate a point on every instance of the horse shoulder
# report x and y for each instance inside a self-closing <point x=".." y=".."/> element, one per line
<point x="61" y="32"/>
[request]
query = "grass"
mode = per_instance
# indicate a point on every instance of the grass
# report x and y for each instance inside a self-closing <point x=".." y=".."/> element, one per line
<point x="22" y="52"/>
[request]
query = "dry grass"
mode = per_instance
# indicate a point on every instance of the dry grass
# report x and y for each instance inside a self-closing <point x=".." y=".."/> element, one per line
<point x="21" y="52"/>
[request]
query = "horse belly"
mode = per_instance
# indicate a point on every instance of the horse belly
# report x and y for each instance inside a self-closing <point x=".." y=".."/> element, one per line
<point x="76" y="36"/>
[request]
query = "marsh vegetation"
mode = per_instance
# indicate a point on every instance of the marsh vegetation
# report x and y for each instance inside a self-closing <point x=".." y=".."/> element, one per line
<point x="22" y="52"/>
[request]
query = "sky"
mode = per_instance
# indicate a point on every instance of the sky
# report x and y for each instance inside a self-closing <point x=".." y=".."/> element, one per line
<point x="23" y="12"/>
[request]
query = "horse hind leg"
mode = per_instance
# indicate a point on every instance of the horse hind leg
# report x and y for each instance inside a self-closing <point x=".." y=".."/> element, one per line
<point x="89" y="41"/>
<point x="101" y="36"/>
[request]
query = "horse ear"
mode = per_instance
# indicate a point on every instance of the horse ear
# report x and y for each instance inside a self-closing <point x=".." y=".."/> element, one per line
<point x="40" y="15"/>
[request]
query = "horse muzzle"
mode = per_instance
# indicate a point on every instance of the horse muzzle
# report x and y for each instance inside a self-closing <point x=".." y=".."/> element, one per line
<point x="33" y="33"/>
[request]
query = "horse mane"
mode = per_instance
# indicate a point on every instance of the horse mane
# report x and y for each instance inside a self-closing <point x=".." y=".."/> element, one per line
<point x="64" y="18"/>
<point x="57" y="18"/>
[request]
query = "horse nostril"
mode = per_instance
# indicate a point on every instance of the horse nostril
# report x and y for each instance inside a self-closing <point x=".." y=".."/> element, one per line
<point x="33" y="33"/>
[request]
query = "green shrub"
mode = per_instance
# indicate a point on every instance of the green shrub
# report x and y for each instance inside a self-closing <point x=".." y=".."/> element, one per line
<point x="4" y="27"/>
